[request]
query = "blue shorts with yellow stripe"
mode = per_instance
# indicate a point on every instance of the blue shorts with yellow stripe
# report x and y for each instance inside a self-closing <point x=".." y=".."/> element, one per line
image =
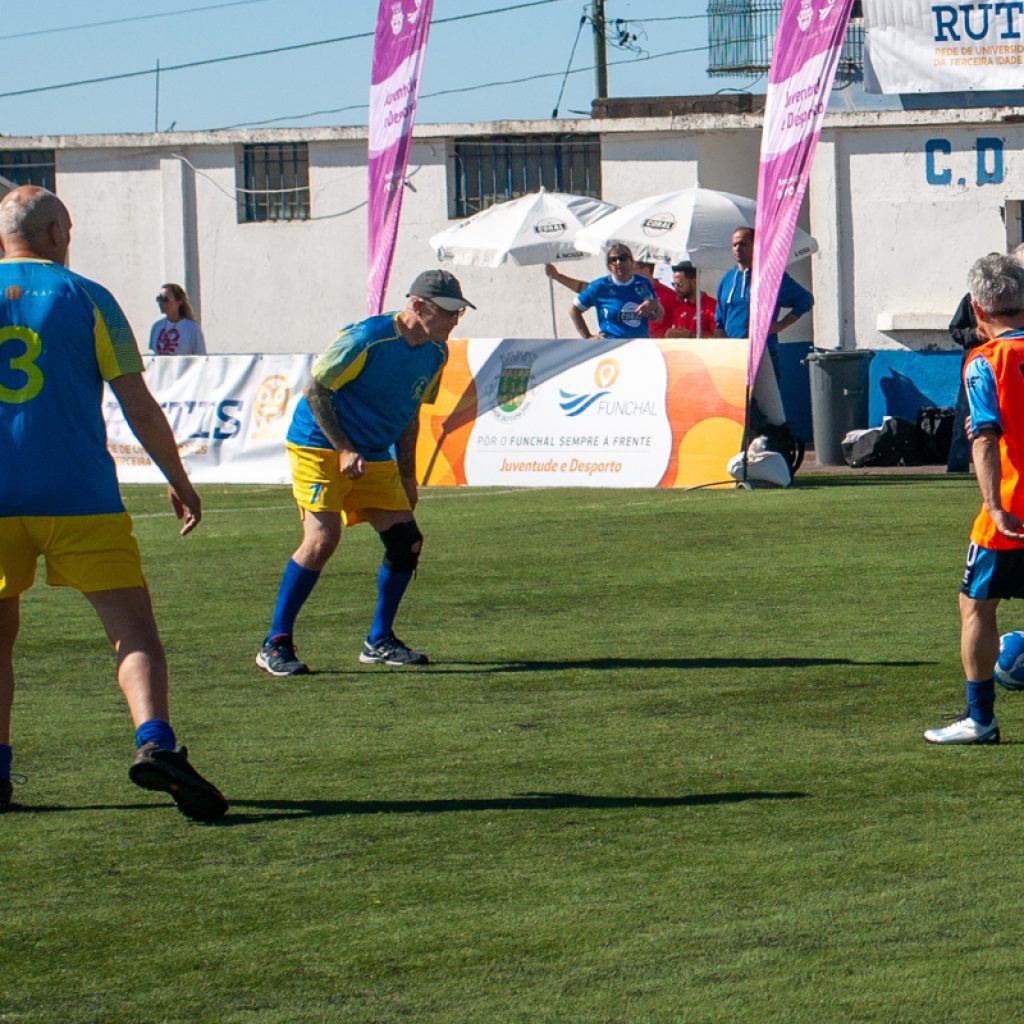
<point x="89" y="553"/>
<point x="318" y="485"/>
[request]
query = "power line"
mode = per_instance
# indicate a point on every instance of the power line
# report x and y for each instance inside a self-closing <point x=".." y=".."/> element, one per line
<point x="470" y="88"/>
<point x="572" y="54"/>
<point x="673" y="17"/>
<point x="122" y="21"/>
<point x="257" y="53"/>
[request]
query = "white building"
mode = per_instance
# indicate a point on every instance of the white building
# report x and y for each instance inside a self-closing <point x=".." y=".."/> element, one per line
<point x="901" y="203"/>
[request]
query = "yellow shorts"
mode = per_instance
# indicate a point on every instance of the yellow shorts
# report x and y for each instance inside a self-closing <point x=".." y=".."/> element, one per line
<point x="88" y="553"/>
<point x="318" y="485"/>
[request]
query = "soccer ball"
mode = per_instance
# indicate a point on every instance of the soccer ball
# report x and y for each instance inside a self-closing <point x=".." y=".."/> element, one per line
<point x="1010" y="666"/>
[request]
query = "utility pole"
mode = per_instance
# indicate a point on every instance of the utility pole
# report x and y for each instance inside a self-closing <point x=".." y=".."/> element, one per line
<point x="600" y="50"/>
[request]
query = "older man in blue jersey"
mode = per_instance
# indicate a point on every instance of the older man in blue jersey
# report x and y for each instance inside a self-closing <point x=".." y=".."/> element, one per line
<point x="625" y="300"/>
<point x="61" y="337"/>
<point x="363" y="398"/>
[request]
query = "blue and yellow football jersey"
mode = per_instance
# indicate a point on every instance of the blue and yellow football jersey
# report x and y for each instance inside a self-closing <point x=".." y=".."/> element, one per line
<point x="61" y="337"/>
<point x="377" y="381"/>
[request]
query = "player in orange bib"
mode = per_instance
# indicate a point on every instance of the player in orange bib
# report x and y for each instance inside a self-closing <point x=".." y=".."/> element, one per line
<point x="994" y="381"/>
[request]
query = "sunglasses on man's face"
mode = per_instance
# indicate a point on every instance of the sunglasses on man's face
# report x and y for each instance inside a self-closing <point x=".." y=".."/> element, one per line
<point x="617" y="259"/>
<point x="163" y="298"/>
<point x="454" y="314"/>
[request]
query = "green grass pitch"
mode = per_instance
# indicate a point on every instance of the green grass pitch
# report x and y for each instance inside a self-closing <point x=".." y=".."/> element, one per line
<point x="667" y="768"/>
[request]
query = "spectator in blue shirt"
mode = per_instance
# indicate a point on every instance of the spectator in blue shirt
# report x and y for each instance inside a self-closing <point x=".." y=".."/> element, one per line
<point x="625" y="300"/>
<point x="732" y="317"/>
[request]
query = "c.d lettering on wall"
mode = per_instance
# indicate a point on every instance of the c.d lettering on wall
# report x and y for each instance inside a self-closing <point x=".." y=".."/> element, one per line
<point x="940" y="161"/>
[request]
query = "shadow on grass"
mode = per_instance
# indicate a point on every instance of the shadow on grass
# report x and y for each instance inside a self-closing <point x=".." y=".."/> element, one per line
<point x="275" y="810"/>
<point x="616" y="664"/>
<point x="272" y="810"/>
<point x="861" y="479"/>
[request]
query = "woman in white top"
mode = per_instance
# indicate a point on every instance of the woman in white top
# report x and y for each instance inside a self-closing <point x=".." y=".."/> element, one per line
<point x="176" y="333"/>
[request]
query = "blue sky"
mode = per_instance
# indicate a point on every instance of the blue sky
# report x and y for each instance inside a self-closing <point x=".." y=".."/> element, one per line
<point x="66" y="41"/>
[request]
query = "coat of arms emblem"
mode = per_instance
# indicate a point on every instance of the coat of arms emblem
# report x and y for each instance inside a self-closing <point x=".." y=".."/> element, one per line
<point x="513" y="383"/>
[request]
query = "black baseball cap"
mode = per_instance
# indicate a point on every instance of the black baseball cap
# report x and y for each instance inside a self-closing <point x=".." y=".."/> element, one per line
<point x="441" y="288"/>
<point x="685" y="267"/>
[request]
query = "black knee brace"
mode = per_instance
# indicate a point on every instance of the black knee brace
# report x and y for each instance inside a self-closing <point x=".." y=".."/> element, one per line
<point x="402" y="543"/>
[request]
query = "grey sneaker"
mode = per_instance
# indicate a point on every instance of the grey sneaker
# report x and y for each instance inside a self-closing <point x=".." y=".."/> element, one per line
<point x="169" y="771"/>
<point x="965" y="730"/>
<point x="391" y="651"/>
<point x="278" y="657"/>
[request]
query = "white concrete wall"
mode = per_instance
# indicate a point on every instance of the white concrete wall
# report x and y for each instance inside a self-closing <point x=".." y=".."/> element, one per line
<point x="278" y="286"/>
<point x="117" y="211"/>
<point x="643" y="163"/>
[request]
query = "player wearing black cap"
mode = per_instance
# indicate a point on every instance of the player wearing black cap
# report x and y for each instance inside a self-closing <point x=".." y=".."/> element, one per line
<point x="363" y="398"/>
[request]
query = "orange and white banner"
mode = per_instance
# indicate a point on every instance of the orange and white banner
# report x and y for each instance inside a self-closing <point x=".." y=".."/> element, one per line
<point x="611" y="413"/>
<point x="523" y="413"/>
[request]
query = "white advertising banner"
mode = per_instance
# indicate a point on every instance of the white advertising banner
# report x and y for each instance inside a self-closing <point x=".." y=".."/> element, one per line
<point x="913" y="46"/>
<point x="596" y="413"/>
<point x="229" y="415"/>
<point x="601" y="422"/>
<point x="511" y="412"/>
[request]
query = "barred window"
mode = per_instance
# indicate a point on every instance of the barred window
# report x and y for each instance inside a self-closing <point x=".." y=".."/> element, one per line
<point x="29" y="167"/>
<point x="498" y="168"/>
<point x="273" y="182"/>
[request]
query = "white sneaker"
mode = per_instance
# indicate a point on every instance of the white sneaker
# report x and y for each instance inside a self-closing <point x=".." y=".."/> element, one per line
<point x="965" y="730"/>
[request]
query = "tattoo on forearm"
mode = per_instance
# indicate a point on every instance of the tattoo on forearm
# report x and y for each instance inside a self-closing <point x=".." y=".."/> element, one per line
<point x="319" y="399"/>
<point x="405" y="448"/>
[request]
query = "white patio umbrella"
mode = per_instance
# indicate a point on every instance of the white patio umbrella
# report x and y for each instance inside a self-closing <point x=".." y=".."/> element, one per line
<point x="536" y="228"/>
<point x="694" y="224"/>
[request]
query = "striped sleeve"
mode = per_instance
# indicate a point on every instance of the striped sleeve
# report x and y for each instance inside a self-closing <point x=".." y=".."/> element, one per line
<point x="117" y="352"/>
<point x="343" y="360"/>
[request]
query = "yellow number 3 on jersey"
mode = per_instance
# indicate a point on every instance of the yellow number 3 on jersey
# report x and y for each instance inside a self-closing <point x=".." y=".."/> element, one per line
<point x="24" y="363"/>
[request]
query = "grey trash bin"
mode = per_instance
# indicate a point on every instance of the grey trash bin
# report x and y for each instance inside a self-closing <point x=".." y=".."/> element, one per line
<point x="839" y="380"/>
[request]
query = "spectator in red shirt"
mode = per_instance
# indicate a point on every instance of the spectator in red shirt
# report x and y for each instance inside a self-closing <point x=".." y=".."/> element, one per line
<point x="666" y="296"/>
<point x="684" y="320"/>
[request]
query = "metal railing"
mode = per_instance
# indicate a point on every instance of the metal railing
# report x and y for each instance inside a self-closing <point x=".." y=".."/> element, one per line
<point x="741" y="40"/>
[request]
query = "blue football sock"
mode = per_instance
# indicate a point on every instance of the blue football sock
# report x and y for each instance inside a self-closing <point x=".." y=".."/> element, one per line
<point x="156" y="731"/>
<point x="6" y="756"/>
<point x="296" y="585"/>
<point x="390" y="589"/>
<point x="981" y="700"/>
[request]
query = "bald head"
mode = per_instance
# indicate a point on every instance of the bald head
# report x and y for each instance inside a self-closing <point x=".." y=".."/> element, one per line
<point x="34" y="223"/>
